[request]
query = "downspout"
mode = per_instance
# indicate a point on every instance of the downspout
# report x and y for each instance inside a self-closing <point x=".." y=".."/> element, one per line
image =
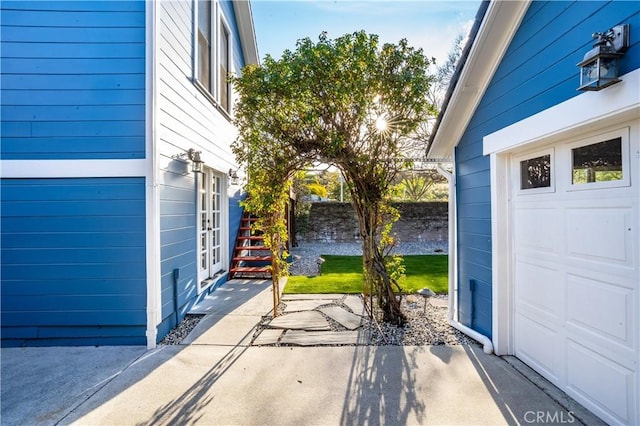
<point x="152" y="199"/>
<point x="453" y="267"/>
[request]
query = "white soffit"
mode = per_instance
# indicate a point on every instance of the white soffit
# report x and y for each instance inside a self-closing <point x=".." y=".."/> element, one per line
<point x="498" y="27"/>
<point x="244" y="19"/>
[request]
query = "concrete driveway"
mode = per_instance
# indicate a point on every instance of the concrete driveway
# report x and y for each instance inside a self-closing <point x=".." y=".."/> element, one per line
<point x="218" y="379"/>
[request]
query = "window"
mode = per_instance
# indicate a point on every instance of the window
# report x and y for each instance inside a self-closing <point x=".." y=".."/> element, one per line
<point x="204" y="44"/>
<point x="213" y="60"/>
<point x="536" y="172"/>
<point x="598" y="162"/>
<point x="224" y="67"/>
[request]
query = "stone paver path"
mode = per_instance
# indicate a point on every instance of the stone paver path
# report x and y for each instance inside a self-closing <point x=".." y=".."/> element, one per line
<point x="355" y="304"/>
<point x="309" y="320"/>
<point x="304" y="321"/>
<point x="346" y="319"/>
<point x="304" y="305"/>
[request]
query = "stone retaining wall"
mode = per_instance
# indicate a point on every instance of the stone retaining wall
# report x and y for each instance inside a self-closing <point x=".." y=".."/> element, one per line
<point x="419" y="222"/>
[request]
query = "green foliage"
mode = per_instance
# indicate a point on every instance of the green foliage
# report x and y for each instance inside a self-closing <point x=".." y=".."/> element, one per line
<point x="343" y="274"/>
<point x="348" y="102"/>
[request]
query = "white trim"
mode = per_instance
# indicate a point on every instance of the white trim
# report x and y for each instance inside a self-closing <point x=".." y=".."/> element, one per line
<point x="152" y="201"/>
<point x="502" y="296"/>
<point x="72" y="168"/>
<point x="244" y="20"/>
<point x="204" y="278"/>
<point x="576" y="115"/>
<point x="499" y="25"/>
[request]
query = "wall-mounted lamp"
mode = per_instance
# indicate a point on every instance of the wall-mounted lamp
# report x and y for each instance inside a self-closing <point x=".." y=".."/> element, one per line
<point x="599" y="68"/>
<point x="233" y="177"/>
<point x="196" y="161"/>
<point x="193" y="156"/>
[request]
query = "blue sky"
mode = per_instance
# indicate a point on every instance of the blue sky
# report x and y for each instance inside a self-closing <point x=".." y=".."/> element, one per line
<point x="432" y="25"/>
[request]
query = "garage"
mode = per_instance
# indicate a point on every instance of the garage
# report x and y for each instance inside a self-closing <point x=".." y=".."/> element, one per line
<point x="574" y="226"/>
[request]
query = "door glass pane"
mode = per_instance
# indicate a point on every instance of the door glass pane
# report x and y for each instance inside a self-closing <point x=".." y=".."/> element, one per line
<point x="598" y="162"/>
<point x="535" y="172"/>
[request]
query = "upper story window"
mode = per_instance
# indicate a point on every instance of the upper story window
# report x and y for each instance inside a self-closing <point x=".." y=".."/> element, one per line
<point x="204" y="44"/>
<point x="224" y="67"/>
<point x="213" y="62"/>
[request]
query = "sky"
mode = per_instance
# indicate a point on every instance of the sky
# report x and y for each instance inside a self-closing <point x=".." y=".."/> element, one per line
<point x="430" y="24"/>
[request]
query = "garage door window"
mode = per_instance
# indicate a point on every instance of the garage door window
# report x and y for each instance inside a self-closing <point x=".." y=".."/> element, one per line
<point x="599" y="162"/>
<point x="536" y="173"/>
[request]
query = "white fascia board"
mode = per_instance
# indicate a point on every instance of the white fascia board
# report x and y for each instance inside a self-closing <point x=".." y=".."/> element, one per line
<point x="498" y="27"/>
<point x="576" y="115"/>
<point x="244" y="20"/>
<point x="26" y="169"/>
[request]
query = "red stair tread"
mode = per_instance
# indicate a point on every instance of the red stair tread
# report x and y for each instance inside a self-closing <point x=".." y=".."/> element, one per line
<point x="253" y="269"/>
<point x="252" y="258"/>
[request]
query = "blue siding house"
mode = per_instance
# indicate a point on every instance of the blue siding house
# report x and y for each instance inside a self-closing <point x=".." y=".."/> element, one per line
<point x="107" y="235"/>
<point x="545" y="242"/>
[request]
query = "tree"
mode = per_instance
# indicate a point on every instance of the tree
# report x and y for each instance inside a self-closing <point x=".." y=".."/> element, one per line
<point x="347" y="102"/>
<point x="445" y="71"/>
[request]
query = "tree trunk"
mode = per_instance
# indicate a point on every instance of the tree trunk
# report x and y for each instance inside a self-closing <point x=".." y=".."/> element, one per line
<point x="376" y="277"/>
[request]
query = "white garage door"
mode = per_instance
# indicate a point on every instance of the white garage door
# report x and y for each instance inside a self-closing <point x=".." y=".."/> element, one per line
<point x="575" y="218"/>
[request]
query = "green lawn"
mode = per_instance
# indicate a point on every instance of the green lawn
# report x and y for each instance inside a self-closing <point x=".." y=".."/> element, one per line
<point x="343" y="274"/>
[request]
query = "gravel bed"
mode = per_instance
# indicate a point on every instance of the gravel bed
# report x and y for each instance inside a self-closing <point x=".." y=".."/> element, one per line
<point x="180" y="331"/>
<point x="423" y="327"/>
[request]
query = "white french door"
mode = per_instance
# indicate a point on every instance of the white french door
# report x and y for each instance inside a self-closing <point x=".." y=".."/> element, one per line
<point x="211" y="232"/>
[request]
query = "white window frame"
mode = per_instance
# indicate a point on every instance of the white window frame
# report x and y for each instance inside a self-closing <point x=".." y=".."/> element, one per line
<point x="224" y="26"/>
<point x="218" y="22"/>
<point x="623" y="134"/>
<point x="531" y="155"/>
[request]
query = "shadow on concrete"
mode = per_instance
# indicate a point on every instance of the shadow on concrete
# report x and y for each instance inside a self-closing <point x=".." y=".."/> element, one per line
<point x="189" y="407"/>
<point x="510" y="387"/>
<point x="52" y="385"/>
<point x="382" y="387"/>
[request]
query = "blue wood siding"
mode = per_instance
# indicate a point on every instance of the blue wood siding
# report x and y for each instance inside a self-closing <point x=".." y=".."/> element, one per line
<point x="73" y="79"/>
<point x="73" y="261"/>
<point x="538" y="71"/>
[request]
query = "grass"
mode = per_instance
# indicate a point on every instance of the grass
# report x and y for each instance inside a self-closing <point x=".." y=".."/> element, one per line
<point x="343" y="274"/>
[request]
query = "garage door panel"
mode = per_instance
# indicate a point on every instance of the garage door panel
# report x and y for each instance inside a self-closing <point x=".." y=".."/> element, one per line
<point x="602" y="235"/>
<point x="538" y="230"/>
<point x="608" y="385"/>
<point x="540" y="348"/>
<point x="602" y="308"/>
<point x="534" y="283"/>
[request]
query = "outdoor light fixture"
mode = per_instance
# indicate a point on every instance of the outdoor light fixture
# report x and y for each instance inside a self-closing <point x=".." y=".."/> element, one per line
<point x="599" y="68"/>
<point x="196" y="161"/>
<point x="193" y="156"/>
<point x="233" y="177"/>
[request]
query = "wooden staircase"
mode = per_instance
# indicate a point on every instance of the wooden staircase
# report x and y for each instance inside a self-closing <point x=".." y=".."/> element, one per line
<point x="251" y="258"/>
